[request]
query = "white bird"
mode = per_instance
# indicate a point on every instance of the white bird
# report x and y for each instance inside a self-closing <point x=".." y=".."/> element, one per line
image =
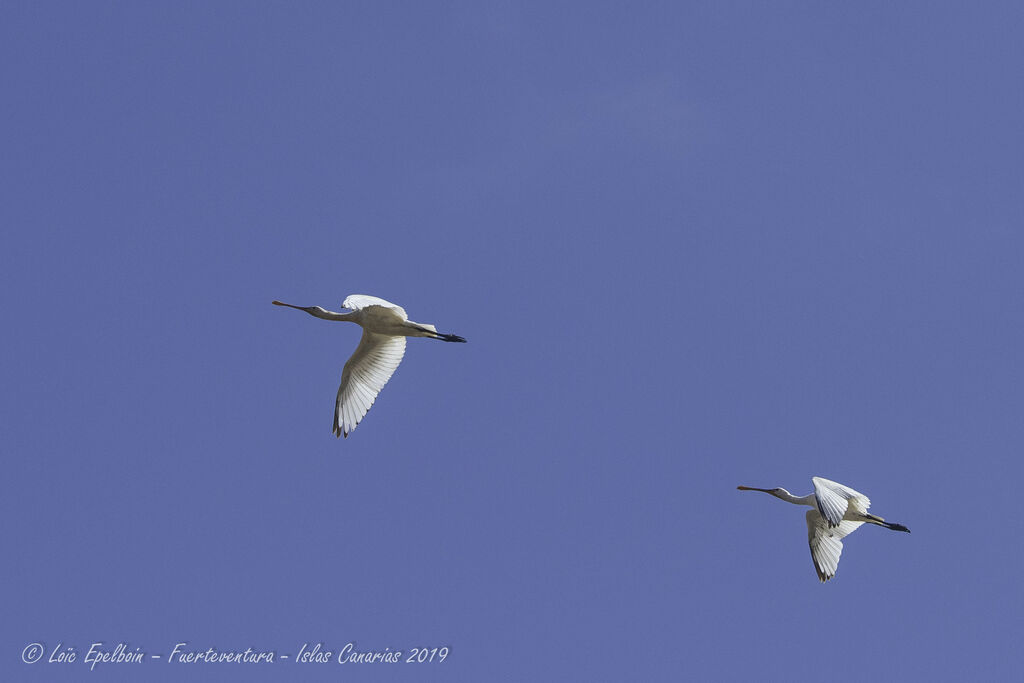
<point x="837" y="512"/>
<point x="385" y="327"/>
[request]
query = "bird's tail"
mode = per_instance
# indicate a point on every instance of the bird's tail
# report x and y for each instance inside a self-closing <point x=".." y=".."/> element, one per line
<point x="888" y="525"/>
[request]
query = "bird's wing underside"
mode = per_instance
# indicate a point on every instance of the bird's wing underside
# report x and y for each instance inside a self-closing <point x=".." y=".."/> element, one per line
<point x="833" y="500"/>
<point x="365" y="374"/>
<point x="357" y="301"/>
<point x="826" y="543"/>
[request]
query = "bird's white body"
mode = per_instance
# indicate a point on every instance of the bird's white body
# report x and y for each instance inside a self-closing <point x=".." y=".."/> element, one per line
<point x="380" y="351"/>
<point x="837" y="511"/>
<point x="383" y="317"/>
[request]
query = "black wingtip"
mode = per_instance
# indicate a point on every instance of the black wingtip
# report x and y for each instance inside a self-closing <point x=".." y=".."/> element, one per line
<point x="451" y="338"/>
<point x="899" y="527"/>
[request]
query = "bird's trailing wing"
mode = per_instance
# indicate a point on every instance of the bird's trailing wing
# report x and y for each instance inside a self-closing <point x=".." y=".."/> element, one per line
<point x="826" y="543"/>
<point x="357" y="301"/>
<point x="365" y="374"/>
<point x="833" y="500"/>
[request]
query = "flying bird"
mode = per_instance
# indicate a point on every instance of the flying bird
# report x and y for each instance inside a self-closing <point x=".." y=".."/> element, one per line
<point x="836" y="513"/>
<point x="385" y="327"/>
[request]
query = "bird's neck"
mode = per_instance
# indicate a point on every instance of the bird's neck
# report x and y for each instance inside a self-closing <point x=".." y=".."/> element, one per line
<point x="796" y="500"/>
<point x="352" y="316"/>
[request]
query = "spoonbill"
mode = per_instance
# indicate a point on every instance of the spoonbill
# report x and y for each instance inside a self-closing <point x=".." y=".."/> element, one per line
<point x="385" y="327"/>
<point x="837" y="512"/>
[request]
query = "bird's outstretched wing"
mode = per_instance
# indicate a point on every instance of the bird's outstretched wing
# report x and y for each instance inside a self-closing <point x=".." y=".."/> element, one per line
<point x="833" y="499"/>
<point x="365" y="374"/>
<point x="826" y="543"/>
<point x="357" y="301"/>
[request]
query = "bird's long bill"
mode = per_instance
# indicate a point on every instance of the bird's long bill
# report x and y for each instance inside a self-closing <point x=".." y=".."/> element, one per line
<point x="312" y="310"/>
<point x="751" y="488"/>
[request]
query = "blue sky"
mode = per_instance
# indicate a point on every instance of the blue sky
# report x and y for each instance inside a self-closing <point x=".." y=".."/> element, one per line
<point x="692" y="245"/>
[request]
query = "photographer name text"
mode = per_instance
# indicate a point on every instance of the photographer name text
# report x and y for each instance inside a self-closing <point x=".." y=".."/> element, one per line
<point x="102" y="654"/>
